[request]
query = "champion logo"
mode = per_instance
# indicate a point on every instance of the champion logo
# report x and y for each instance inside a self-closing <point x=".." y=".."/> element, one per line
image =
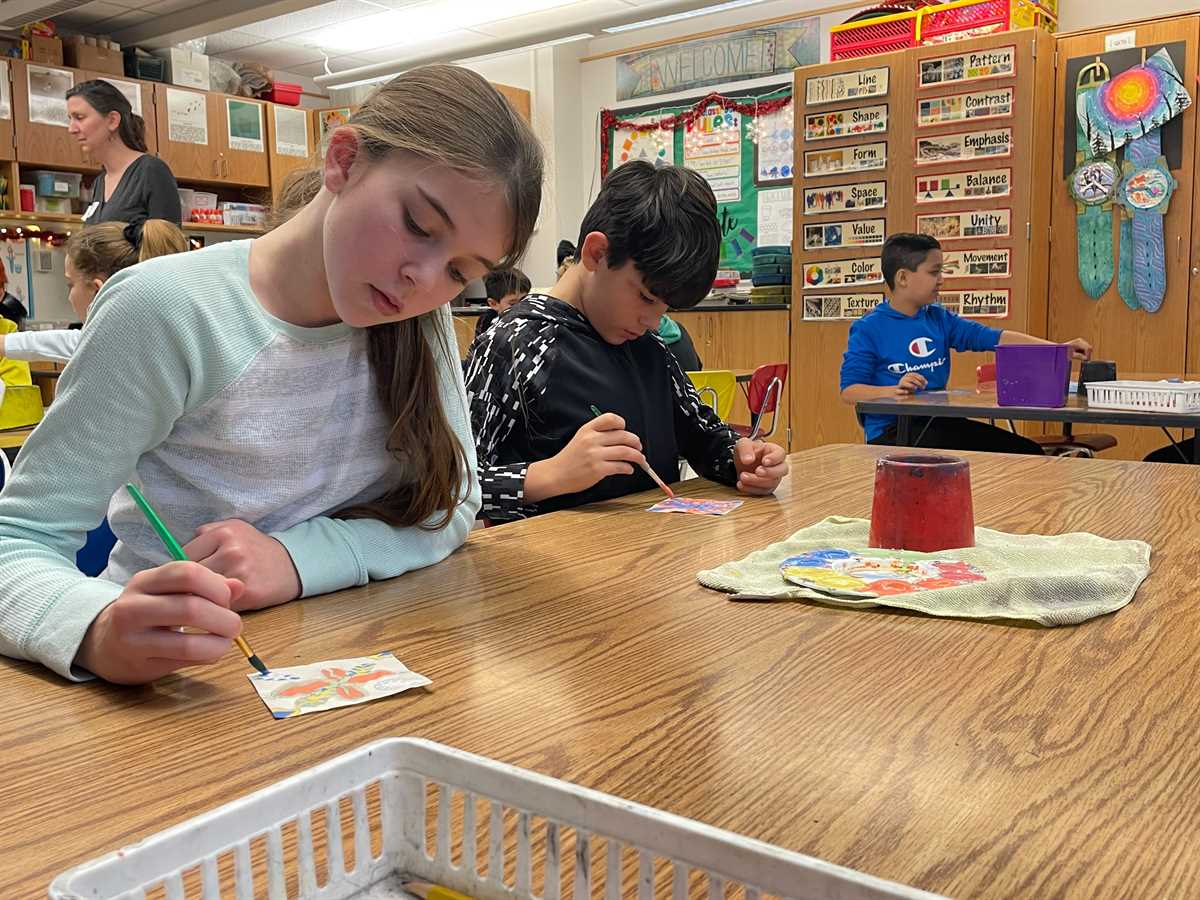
<point x="898" y="368"/>
<point x="921" y="347"/>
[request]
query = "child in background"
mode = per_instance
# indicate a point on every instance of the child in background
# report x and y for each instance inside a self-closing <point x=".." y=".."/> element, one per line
<point x="679" y="342"/>
<point x="649" y="243"/>
<point x="292" y="405"/>
<point x="94" y="255"/>
<point x="903" y="347"/>
<point x="504" y="288"/>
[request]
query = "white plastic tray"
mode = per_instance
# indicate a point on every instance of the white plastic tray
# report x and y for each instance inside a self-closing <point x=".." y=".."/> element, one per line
<point x="1156" y="396"/>
<point x="402" y="767"/>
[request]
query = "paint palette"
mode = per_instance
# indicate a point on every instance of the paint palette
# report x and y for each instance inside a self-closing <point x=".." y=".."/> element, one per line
<point x="875" y="573"/>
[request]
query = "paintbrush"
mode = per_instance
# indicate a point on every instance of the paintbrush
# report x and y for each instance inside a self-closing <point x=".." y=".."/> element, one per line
<point x="645" y="465"/>
<point x="177" y="553"/>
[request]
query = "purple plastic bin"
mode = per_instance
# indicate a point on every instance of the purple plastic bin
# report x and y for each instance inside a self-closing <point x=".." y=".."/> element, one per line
<point x="1033" y="374"/>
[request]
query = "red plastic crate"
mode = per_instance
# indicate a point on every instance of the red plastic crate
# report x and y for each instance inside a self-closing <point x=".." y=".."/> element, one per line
<point x="954" y="21"/>
<point x="282" y="92"/>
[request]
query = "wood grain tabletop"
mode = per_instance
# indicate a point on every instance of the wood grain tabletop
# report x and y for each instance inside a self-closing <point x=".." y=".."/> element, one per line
<point x="967" y="758"/>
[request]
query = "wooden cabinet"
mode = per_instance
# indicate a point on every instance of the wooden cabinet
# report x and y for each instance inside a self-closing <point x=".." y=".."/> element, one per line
<point x="39" y="143"/>
<point x="285" y="122"/>
<point x="214" y="161"/>
<point x="1137" y="340"/>
<point x="8" y="146"/>
<point x="742" y="339"/>
<point x="241" y="165"/>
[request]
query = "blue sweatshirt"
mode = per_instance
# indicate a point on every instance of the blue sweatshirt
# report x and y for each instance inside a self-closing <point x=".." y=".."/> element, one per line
<point x="885" y="344"/>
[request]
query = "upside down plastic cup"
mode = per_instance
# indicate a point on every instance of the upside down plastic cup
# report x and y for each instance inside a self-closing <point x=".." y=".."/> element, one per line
<point x="922" y="503"/>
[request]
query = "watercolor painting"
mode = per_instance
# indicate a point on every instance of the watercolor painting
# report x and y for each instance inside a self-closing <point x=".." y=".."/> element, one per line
<point x="696" y="507"/>
<point x="316" y="687"/>
<point x="854" y="573"/>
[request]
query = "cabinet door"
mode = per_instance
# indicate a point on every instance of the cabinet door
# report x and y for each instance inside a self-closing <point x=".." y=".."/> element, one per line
<point x="38" y="142"/>
<point x="8" y="146"/>
<point x="1136" y="340"/>
<point x="188" y="133"/>
<point x="243" y="141"/>
<point x="289" y="142"/>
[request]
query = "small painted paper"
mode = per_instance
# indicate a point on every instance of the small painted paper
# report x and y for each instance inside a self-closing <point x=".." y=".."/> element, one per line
<point x="245" y="125"/>
<point x="1131" y="104"/>
<point x="855" y="573"/>
<point x="696" y="507"/>
<point x="316" y="687"/>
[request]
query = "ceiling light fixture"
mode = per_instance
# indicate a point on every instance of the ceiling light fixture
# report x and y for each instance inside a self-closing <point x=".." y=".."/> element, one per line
<point x="680" y="16"/>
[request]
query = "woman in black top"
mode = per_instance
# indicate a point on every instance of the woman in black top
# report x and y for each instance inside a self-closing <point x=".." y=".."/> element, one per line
<point x="132" y="185"/>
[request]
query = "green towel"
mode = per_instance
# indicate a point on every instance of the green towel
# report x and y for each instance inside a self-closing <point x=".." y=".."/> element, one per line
<point x="1063" y="579"/>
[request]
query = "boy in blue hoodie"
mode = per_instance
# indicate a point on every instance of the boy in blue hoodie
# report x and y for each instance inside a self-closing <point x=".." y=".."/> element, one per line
<point x="903" y="347"/>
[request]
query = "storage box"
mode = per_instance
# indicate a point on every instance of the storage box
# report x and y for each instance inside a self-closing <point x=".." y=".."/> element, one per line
<point x="282" y="92"/>
<point x="1033" y="374"/>
<point x="204" y="200"/>
<point x="56" y="184"/>
<point x="22" y="406"/>
<point x="147" y="68"/>
<point x="56" y="205"/>
<point x="1145" y="396"/>
<point x="185" y="68"/>
<point x="187" y="201"/>
<point x="46" y="50"/>
<point x="99" y="59"/>
<point x="939" y="24"/>
<point x="420" y="839"/>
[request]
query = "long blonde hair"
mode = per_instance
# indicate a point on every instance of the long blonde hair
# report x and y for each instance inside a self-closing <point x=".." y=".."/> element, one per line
<point x="103" y="250"/>
<point x="450" y="116"/>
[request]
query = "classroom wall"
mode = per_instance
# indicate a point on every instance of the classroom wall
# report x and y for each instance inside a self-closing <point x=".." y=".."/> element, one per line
<point x="1075" y="15"/>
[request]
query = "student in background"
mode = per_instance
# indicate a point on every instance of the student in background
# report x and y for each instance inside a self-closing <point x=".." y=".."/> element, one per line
<point x="504" y="288"/>
<point x="11" y="307"/>
<point x="133" y="185"/>
<point x="649" y="243"/>
<point x="94" y="255"/>
<point x="292" y="405"/>
<point x="903" y="347"/>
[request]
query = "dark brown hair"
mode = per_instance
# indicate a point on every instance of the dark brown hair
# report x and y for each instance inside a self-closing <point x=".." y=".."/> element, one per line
<point x="453" y="117"/>
<point x="104" y="98"/>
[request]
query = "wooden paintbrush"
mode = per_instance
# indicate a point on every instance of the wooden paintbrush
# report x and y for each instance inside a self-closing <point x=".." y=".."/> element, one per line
<point x="645" y="465"/>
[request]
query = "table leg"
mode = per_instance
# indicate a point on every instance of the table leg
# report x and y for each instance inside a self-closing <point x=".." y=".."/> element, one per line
<point x="1196" y="446"/>
<point x="904" y="431"/>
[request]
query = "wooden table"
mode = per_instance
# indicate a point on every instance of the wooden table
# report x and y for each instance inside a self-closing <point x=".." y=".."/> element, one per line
<point x="968" y="758"/>
<point x="982" y="404"/>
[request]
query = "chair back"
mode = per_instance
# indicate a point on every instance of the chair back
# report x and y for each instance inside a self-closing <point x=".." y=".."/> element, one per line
<point x="766" y="388"/>
<point x="717" y="388"/>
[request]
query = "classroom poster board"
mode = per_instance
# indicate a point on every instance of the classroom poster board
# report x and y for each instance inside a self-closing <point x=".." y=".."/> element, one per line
<point x="737" y="204"/>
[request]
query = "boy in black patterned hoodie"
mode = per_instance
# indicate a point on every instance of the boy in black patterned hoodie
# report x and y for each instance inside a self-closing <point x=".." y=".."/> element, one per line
<point x="649" y="243"/>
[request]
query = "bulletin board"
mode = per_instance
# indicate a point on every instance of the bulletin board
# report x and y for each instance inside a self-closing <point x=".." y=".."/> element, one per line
<point x="732" y="167"/>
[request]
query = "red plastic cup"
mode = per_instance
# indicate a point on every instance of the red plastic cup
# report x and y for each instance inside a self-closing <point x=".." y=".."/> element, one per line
<point x="922" y="503"/>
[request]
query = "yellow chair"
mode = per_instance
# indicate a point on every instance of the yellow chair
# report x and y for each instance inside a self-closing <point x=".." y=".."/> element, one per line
<point x="717" y="388"/>
<point x="20" y="399"/>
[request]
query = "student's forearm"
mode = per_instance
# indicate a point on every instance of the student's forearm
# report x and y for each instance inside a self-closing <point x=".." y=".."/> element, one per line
<point x="857" y="392"/>
<point x="543" y="481"/>
<point x="2" y="337"/>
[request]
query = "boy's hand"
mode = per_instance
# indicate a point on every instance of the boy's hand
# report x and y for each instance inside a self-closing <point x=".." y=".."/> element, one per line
<point x="1080" y="349"/>
<point x="600" y="448"/>
<point x="910" y="384"/>
<point x="238" y="550"/>
<point x="135" y="638"/>
<point x="761" y="466"/>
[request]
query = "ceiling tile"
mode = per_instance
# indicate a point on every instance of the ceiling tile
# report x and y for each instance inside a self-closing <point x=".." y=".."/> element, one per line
<point x="229" y="41"/>
<point x="126" y="19"/>
<point x="278" y="55"/>
<point x="324" y="15"/>
<point x="164" y="7"/>
<point x="565" y="17"/>
<point x="87" y="14"/>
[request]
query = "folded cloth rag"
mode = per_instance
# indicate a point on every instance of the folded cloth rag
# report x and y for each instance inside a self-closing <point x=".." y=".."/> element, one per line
<point x="1060" y="579"/>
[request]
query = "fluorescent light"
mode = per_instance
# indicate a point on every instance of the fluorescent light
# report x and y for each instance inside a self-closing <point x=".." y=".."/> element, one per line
<point x="678" y="17"/>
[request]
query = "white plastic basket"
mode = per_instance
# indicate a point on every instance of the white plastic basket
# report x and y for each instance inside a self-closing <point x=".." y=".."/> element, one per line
<point x="402" y="768"/>
<point x="1159" y="396"/>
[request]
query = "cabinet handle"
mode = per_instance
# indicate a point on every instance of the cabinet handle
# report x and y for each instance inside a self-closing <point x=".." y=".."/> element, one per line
<point x="216" y="168"/>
